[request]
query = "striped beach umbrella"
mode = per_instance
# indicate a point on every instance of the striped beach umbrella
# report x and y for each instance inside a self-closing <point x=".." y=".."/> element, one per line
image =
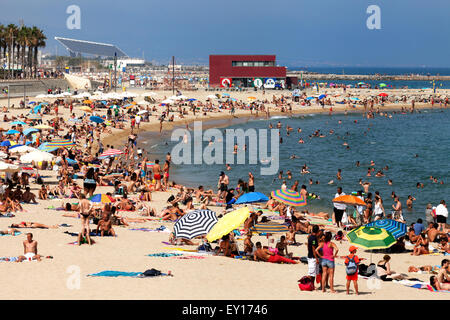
<point x="101" y="198"/>
<point x="397" y="228"/>
<point x="150" y="164"/>
<point x="110" y="153"/>
<point x="350" y="200"/>
<point x="228" y="223"/>
<point x="195" y="223"/>
<point x="371" y="238"/>
<point x="289" y="197"/>
<point x="60" y="143"/>
<point x="269" y="227"/>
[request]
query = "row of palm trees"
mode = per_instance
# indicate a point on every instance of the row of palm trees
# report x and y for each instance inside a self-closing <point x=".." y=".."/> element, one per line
<point x="19" y="50"/>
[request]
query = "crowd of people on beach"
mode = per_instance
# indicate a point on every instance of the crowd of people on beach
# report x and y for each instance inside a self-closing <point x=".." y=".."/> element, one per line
<point x="131" y="177"/>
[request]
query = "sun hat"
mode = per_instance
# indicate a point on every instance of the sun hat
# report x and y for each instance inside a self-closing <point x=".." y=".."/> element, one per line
<point x="352" y="248"/>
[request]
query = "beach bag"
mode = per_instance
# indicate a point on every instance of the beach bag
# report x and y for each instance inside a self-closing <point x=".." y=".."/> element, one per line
<point x="351" y="267"/>
<point x="306" y="284"/>
<point x="344" y="219"/>
<point x="151" y="273"/>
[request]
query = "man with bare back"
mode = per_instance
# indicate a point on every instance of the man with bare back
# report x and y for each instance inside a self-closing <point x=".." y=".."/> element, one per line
<point x="85" y="212"/>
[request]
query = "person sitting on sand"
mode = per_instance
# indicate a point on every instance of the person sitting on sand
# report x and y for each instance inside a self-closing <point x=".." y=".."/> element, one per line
<point x="105" y="226"/>
<point x="444" y="245"/>
<point x="145" y="196"/>
<point x="412" y="236"/>
<point x="444" y="272"/>
<point x="421" y="246"/>
<point x="269" y="256"/>
<point x="29" y="249"/>
<point x="28" y="196"/>
<point x="43" y="193"/>
<point x="125" y="204"/>
<point x="290" y="235"/>
<point x="250" y="221"/>
<point x="282" y="246"/>
<point x="384" y="270"/>
<point x="224" y="247"/>
<point x="248" y="244"/>
<point x="32" y="225"/>
<point x="172" y="213"/>
<point x="433" y="234"/>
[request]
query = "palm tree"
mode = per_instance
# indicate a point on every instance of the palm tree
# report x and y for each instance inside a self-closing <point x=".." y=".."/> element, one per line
<point x="37" y="41"/>
<point x="2" y="45"/>
<point x="11" y="38"/>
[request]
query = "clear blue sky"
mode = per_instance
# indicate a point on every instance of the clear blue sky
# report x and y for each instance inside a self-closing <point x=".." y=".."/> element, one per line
<point x="299" y="32"/>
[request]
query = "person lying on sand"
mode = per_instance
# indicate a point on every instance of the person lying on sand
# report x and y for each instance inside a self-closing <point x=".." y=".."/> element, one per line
<point x="33" y="225"/>
<point x="180" y="241"/>
<point x="125" y="204"/>
<point x="10" y="231"/>
<point x="268" y="256"/>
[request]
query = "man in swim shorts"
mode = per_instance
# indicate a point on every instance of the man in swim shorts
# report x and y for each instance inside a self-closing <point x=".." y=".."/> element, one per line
<point x="29" y="249"/>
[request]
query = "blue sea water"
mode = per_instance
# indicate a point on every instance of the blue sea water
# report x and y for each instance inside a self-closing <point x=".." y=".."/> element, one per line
<point x="384" y="71"/>
<point x="387" y="141"/>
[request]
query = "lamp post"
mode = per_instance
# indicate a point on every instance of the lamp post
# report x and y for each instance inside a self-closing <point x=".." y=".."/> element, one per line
<point x="115" y="71"/>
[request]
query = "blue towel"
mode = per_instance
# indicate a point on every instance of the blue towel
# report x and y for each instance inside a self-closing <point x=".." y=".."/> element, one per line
<point x="164" y="254"/>
<point x="109" y="273"/>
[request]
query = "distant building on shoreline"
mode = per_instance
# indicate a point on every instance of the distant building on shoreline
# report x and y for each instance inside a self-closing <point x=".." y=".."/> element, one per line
<point x="258" y="71"/>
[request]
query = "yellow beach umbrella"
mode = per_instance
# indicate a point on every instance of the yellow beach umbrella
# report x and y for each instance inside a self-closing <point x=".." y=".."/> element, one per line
<point x="87" y="101"/>
<point x="133" y="102"/>
<point x="43" y="127"/>
<point x="87" y="109"/>
<point x="228" y="223"/>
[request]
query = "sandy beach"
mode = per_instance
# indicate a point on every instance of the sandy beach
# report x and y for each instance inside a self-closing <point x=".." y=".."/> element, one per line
<point x="204" y="277"/>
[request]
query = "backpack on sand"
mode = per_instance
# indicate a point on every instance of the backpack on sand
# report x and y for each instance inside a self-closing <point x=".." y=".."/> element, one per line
<point x="352" y="267"/>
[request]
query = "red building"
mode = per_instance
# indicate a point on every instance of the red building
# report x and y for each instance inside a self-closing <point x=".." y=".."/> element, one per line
<point x="246" y="71"/>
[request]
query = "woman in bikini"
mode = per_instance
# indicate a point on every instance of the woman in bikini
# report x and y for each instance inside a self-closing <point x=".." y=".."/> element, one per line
<point x="421" y="246"/>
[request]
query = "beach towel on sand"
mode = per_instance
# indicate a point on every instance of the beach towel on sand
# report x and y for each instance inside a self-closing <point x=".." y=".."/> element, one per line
<point x="112" y="273"/>
<point x="164" y="254"/>
<point x="7" y="215"/>
<point x="160" y="229"/>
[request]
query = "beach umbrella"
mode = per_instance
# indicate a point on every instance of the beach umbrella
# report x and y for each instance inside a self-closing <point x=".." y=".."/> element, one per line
<point x="192" y="99"/>
<point x="21" y="149"/>
<point x="60" y="143"/>
<point x="382" y="85"/>
<point x="36" y="156"/>
<point x="289" y="197"/>
<point x="397" y="228"/>
<point x="355" y="99"/>
<point x="194" y="223"/>
<point x="87" y="109"/>
<point x="383" y="94"/>
<point x="33" y="116"/>
<point x="87" y="101"/>
<point x="269" y="227"/>
<point x="225" y="94"/>
<point x="142" y="112"/>
<point x="12" y="132"/>
<point x="211" y="96"/>
<point x="43" y="127"/>
<point x="8" y="167"/>
<point x="18" y="122"/>
<point x="371" y="238"/>
<point x="32" y="102"/>
<point x="322" y="96"/>
<point x="350" y="200"/>
<point x="44" y="147"/>
<point x="167" y="101"/>
<point x="251" y="98"/>
<point x="30" y="130"/>
<point x="101" y="198"/>
<point x="110" y="153"/>
<point x="252" y="197"/>
<point x="228" y="223"/>
<point x="310" y="98"/>
<point x="96" y="119"/>
<point x="5" y="143"/>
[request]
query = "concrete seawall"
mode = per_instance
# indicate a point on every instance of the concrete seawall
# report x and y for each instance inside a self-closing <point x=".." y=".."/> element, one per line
<point x="33" y="87"/>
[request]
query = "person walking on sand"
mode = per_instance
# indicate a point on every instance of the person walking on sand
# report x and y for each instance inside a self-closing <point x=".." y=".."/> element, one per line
<point x="85" y="212"/>
<point x="329" y="252"/>
<point x="157" y="175"/>
<point x="441" y="215"/>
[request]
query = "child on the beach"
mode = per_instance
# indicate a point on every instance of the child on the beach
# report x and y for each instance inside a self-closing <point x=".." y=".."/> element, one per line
<point x="351" y="263"/>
